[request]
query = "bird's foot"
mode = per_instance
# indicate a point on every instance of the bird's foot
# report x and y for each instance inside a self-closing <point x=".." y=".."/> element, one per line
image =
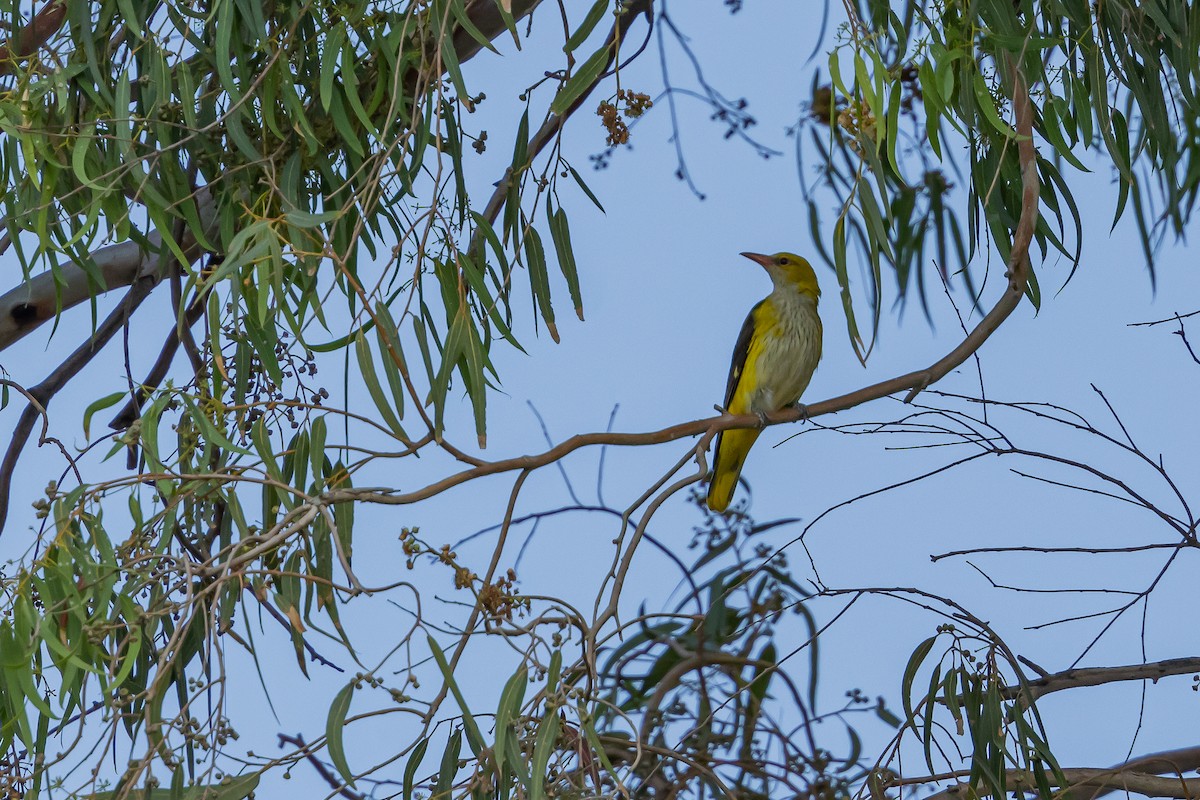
<point x="762" y="418"/>
<point x="803" y="409"/>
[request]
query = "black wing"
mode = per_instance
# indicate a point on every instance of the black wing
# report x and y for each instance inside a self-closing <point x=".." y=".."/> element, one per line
<point x="740" y="351"/>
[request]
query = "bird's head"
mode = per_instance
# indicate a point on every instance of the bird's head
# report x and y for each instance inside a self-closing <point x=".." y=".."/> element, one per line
<point x="789" y="269"/>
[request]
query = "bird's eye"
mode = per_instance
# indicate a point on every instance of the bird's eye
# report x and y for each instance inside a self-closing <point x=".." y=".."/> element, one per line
<point x="783" y="261"/>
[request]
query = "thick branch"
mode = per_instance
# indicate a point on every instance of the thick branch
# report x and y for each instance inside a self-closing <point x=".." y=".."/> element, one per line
<point x="1103" y="780"/>
<point x="44" y="296"/>
<point x="1168" y="762"/>
<point x="487" y="18"/>
<point x="1098" y="676"/>
<point x="1152" y="775"/>
<point x="34" y="34"/>
<point x="1185" y="759"/>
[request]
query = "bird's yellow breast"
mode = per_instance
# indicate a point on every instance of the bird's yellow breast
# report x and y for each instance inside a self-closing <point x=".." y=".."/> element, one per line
<point x="784" y="350"/>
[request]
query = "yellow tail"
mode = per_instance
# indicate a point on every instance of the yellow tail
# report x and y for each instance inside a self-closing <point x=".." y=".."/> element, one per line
<point x="732" y="447"/>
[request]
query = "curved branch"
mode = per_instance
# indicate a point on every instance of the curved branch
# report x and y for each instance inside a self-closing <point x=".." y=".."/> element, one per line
<point x="1168" y="762"/>
<point x="913" y="382"/>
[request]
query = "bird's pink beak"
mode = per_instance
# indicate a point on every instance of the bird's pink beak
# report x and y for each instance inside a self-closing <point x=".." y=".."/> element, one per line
<point x="760" y="259"/>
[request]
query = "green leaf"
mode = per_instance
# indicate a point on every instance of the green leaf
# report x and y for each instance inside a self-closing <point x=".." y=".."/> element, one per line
<point x="391" y="355"/>
<point x="509" y="22"/>
<point x="586" y="190"/>
<point x="12" y="653"/>
<point x="543" y="747"/>
<point x="589" y="731"/>
<point x="910" y="673"/>
<point x="835" y="71"/>
<point x="449" y="767"/>
<point x="329" y="62"/>
<point x="511" y="698"/>
<point x="476" y="360"/>
<point x="594" y="15"/>
<point x="307" y="219"/>
<point x="520" y="162"/>
<point x="864" y="84"/>
<point x="85" y="143"/>
<point x="464" y="20"/>
<point x="560" y="232"/>
<point x="260" y="435"/>
<point x="264" y="338"/>
<point x="343" y="513"/>
<point x="579" y="84"/>
<point x="227" y="789"/>
<point x="539" y="279"/>
<point x="245" y="144"/>
<point x="935" y="681"/>
<point x="1121" y="138"/>
<point x="475" y="280"/>
<point x="208" y="429"/>
<point x="474" y="737"/>
<point x="452" y="350"/>
<point x="843" y="279"/>
<point x="988" y="107"/>
<point x="130" y="17"/>
<point x="515" y="759"/>
<point x="128" y="662"/>
<point x="341" y="121"/>
<point x="411" y="766"/>
<point x="317" y="433"/>
<point x="1032" y="290"/>
<point x="366" y="366"/>
<point x="334" y="724"/>
<point x="104" y="402"/>
<point x="553" y="673"/>
<point x="450" y="62"/>
<point x="886" y="715"/>
<point x="933" y="107"/>
<point x="485" y="229"/>
<point x="757" y="692"/>
<point x="950" y="696"/>
<point x="892" y="127"/>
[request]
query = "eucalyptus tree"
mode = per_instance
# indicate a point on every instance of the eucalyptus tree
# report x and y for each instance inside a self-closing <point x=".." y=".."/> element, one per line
<point x="295" y="178"/>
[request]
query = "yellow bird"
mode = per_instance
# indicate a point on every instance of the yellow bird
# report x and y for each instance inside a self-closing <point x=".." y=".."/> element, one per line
<point x="773" y="360"/>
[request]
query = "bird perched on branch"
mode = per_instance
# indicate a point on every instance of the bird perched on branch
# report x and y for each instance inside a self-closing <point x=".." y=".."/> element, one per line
<point x="773" y="360"/>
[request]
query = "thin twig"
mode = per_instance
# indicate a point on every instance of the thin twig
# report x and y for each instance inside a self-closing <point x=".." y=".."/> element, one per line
<point x="334" y="782"/>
